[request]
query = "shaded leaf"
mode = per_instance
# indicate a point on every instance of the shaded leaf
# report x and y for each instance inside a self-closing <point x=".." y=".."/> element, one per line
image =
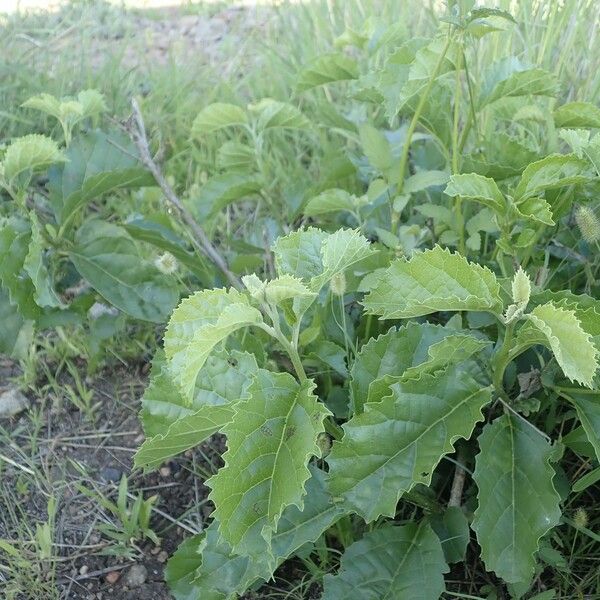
<point x="327" y="68"/>
<point x="577" y="114"/>
<point x="217" y="116"/>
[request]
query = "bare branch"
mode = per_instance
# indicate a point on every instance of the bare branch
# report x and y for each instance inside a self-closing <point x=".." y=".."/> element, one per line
<point x="137" y="131"/>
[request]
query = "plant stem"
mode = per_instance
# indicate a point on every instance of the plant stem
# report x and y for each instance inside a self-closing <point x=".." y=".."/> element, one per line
<point x="458" y="214"/>
<point x="502" y="359"/>
<point x="413" y="126"/>
<point x="458" y="482"/>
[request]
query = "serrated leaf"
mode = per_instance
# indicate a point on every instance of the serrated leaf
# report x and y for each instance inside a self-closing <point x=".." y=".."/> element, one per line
<point x="35" y="267"/>
<point x="432" y="281"/>
<point x="269" y="441"/>
<point x="26" y="155"/>
<point x="332" y="200"/>
<point x="554" y="171"/>
<point x="107" y="257"/>
<point x="517" y="500"/>
<point x="397" y="442"/>
<point x="98" y="163"/>
<point x="221" y="190"/>
<point x="281" y="115"/>
<point x="560" y="330"/>
<point x="198" y="324"/>
<point x="286" y="287"/>
<point x="577" y="114"/>
<point x="478" y="188"/>
<point x="392" y="354"/>
<point x="217" y="116"/>
<point x="327" y="69"/>
<point x="535" y="209"/>
<point x="390" y="562"/>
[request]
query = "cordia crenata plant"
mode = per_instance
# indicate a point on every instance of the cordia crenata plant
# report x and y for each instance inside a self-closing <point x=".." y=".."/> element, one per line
<point x="409" y="376"/>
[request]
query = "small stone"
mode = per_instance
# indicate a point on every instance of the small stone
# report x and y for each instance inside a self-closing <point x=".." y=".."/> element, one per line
<point x="165" y="471"/>
<point x="83" y="570"/>
<point x="12" y="402"/>
<point x="136" y="576"/>
<point x="155" y="550"/>
<point x="113" y="577"/>
<point x="162" y="557"/>
<point x="111" y="474"/>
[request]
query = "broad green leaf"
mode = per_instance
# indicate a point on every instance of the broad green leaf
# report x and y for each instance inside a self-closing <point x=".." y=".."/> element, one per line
<point x="15" y="332"/>
<point x="107" y="257"/>
<point x="535" y="209"/>
<point x="517" y="500"/>
<point x="35" y="267"/>
<point x="98" y="163"/>
<point x="578" y="441"/>
<point x="332" y="200"/>
<point x="376" y="147"/>
<point x="432" y="281"/>
<point x="396" y="563"/>
<point x="554" y="171"/>
<point x="509" y="77"/>
<point x="424" y="179"/>
<point x="452" y="527"/>
<point x="221" y="190"/>
<point x="560" y="330"/>
<point x="217" y="116"/>
<point x="92" y="102"/>
<point x="46" y="103"/>
<point x="330" y="354"/>
<point x="587" y="480"/>
<point x="478" y="188"/>
<point x="392" y="354"/>
<point x="397" y="442"/>
<point x="577" y="114"/>
<point x="285" y="288"/>
<point x="235" y="156"/>
<point x="588" y="411"/>
<point x="198" y="324"/>
<point x="270" y="440"/>
<point x="327" y="69"/>
<point x="273" y="114"/>
<point x="26" y="155"/>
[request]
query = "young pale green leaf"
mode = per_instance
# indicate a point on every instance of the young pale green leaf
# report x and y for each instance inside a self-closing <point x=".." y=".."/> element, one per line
<point x="408" y="348"/>
<point x="279" y="115"/>
<point x="46" y="103"/>
<point x="92" y="102"/>
<point x="97" y="163"/>
<point x="431" y="281"/>
<point x="478" y="188"/>
<point x="398" y="441"/>
<point x="35" y="267"/>
<point x="423" y="179"/>
<point x="560" y="330"/>
<point x="287" y="287"/>
<point x="390" y="562"/>
<point x="217" y="116"/>
<point x="517" y="500"/>
<point x="270" y="440"/>
<point x="236" y="157"/>
<point x="221" y="190"/>
<point x="327" y="68"/>
<point x="554" y="171"/>
<point x="577" y="114"/>
<point x="452" y="527"/>
<point x="329" y="201"/>
<point x="198" y="324"/>
<point x="107" y="257"/>
<point x="535" y="209"/>
<point x="376" y="147"/>
<point x="26" y="155"/>
<point x="588" y="411"/>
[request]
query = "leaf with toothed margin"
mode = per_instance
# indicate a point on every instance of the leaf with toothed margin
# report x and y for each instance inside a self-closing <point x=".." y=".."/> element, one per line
<point x="401" y="351"/>
<point x="397" y="442"/>
<point x="432" y="281"/>
<point x="391" y="562"/>
<point x="269" y="442"/>
<point x="197" y="325"/>
<point x="478" y="188"/>
<point x="560" y="330"/>
<point x="517" y="500"/>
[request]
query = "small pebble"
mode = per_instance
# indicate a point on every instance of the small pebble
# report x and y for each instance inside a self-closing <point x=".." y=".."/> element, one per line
<point x="165" y="471"/>
<point x="83" y="570"/>
<point x="136" y="576"/>
<point x="113" y="577"/>
<point x="162" y="557"/>
<point x="155" y="550"/>
<point x="111" y="474"/>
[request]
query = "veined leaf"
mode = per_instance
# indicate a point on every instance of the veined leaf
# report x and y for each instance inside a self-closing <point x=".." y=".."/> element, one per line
<point x="272" y="436"/>
<point x="327" y="69"/>
<point x="97" y="163"/>
<point x="577" y="114"/>
<point x="26" y="155"/>
<point x="235" y="156"/>
<point x="217" y="116"/>
<point x="221" y="190"/>
<point x="554" y="171"/>
<point x="517" y="500"/>
<point x="397" y="442"/>
<point x="535" y="209"/>
<point x="333" y="200"/>
<point x="452" y="527"/>
<point x="376" y="147"/>
<point x="15" y="333"/>
<point x="478" y="188"/>
<point x="390" y="562"/>
<point x="106" y="256"/>
<point x="198" y="324"/>
<point x="588" y="411"/>
<point x="431" y="281"/>
<point x="279" y="115"/>
<point x="423" y="179"/>
<point x="560" y="330"/>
